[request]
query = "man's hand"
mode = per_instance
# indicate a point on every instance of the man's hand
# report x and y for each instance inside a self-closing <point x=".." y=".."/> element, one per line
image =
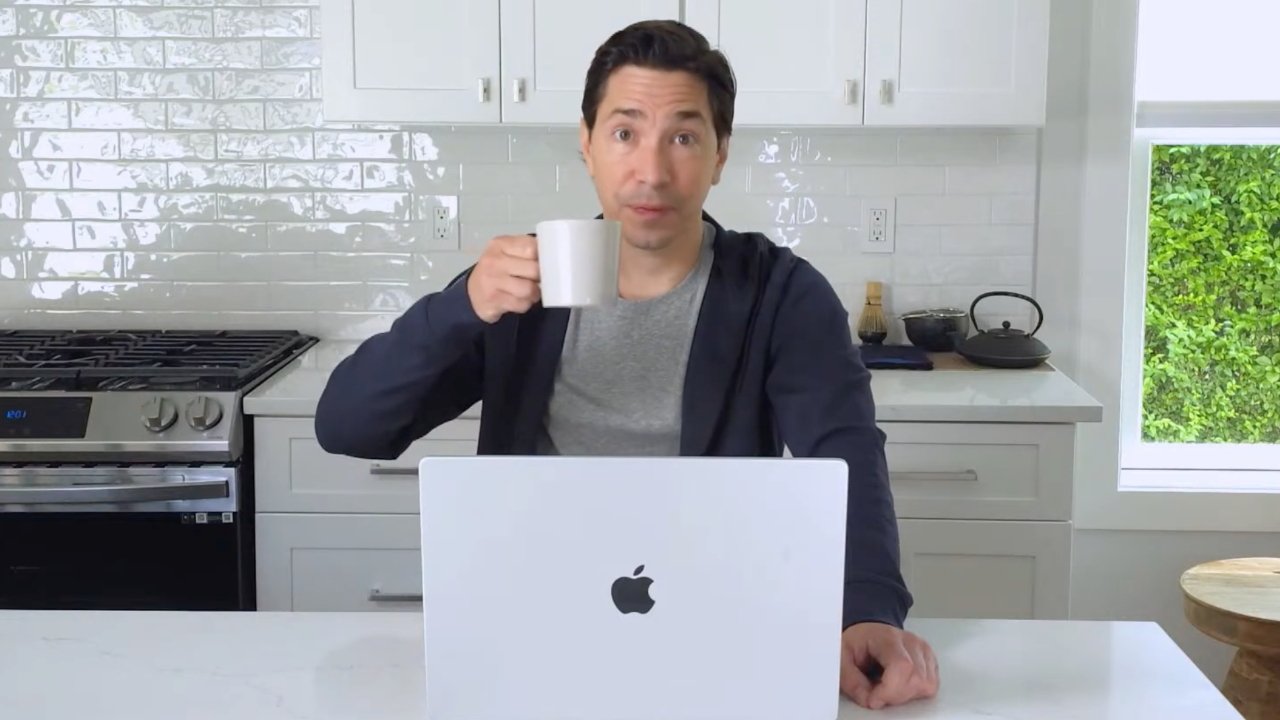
<point x="505" y="278"/>
<point x="904" y="662"/>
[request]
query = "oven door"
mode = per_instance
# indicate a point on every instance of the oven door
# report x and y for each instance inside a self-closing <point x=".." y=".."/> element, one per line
<point x="123" y="538"/>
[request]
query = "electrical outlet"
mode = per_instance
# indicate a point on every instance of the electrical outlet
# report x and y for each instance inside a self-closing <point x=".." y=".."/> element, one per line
<point x="879" y="219"/>
<point x="443" y="227"/>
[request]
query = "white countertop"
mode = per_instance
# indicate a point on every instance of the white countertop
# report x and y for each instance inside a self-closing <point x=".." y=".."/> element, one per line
<point x="368" y="666"/>
<point x="1035" y="396"/>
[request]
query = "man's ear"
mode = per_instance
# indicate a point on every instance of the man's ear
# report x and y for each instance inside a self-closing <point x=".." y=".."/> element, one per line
<point x="584" y="146"/>
<point x="722" y="156"/>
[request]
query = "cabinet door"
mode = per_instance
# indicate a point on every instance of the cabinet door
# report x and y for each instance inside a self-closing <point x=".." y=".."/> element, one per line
<point x="294" y="474"/>
<point x="338" y="562"/>
<point x="547" y="46"/>
<point x="987" y="569"/>
<point x="410" y="60"/>
<point x="957" y="62"/>
<point x="797" y="62"/>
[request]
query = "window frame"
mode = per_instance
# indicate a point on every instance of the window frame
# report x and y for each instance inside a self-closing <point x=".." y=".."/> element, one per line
<point x="1178" y="465"/>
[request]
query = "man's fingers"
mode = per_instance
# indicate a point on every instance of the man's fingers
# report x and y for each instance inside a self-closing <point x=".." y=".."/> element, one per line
<point x="519" y="267"/>
<point x="524" y="247"/>
<point x="896" y="684"/>
<point x="519" y="288"/>
<point x="854" y="683"/>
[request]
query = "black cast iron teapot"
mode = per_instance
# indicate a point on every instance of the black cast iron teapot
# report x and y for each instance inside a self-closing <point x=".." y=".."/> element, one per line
<point x="1004" y="347"/>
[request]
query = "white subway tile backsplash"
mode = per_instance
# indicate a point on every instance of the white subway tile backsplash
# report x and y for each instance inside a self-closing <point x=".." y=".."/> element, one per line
<point x="67" y="83"/>
<point x="101" y="115"/>
<point x="43" y="114"/>
<point x="55" y="22"/>
<point x="70" y="205"/>
<point x="167" y="84"/>
<point x="956" y="148"/>
<point x="1013" y="210"/>
<point x="166" y="146"/>
<point x="16" y="234"/>
<point x="990" y="180"/>
<point x="168" y="206"/>
<point x="121" y="235"/>
<point x="943" y="210"/>
<point x="212" y="54"/>
<point x="115" y="54"/>
<point x="183" y="23"/>
<point x="290" y="53"/>
<point x="170" y="166"/>
<point x="119" y="176"/>
<point x="44" y="174"/>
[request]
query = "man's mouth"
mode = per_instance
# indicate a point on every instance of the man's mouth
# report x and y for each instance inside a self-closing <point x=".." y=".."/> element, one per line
<point x="649" y="211"/>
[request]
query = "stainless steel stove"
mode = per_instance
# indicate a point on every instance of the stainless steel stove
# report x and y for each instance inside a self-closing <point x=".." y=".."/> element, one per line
<point x="126" y="466"/>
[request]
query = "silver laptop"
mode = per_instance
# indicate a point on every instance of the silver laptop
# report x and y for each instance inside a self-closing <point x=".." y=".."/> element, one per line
<point x="610" y="588"/>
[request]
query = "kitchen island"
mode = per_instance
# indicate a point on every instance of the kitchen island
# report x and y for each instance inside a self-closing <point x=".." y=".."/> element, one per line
<point x="369" y="666"/>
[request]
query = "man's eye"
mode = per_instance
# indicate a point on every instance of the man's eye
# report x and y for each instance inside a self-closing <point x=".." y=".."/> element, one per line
<point x="685" y="139"/>
<point x="622" y="134"/>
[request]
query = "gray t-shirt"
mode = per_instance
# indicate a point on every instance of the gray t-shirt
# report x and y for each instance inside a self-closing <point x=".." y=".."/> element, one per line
<point x="620" y="384"/>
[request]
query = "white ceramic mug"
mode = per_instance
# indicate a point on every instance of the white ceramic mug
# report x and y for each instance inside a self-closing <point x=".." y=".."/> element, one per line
<point x="578" y="262"/>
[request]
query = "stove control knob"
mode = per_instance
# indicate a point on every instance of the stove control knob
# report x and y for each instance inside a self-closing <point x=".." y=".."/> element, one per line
<point x="203" y="413"/>
<point x="158" y="414"/>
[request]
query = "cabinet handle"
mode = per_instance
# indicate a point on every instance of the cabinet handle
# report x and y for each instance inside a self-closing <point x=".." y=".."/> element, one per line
<point x="484" y="90"/>
<point x="517" y="90"/>
<point x="851" y="92"/>
<point x="376" y="469"/>
<point x="886" y="92"/>
<point x="965" y="476"/>
<point x="376" y="595"/>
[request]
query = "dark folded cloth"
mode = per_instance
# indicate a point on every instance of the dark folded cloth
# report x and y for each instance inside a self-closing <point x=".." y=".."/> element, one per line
<point x="902" y="357"/>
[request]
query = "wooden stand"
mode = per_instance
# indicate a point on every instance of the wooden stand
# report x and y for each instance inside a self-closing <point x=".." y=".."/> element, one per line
<point x="1238" y="602"/>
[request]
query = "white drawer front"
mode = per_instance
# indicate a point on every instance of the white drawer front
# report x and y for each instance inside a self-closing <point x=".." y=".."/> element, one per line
<point x="981" y="471"/>
<point x="339" y="563"/>
<point x="294" y="474"/>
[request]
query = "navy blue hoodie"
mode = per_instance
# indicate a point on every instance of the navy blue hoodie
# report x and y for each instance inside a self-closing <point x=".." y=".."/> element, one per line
<point x="772" y="363"/>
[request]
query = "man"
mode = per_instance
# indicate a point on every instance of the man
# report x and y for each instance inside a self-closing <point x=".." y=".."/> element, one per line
<point x="722" y="343"/>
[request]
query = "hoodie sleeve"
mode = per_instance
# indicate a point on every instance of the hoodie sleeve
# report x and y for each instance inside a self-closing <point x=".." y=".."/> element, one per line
<point x="821" y="394"/>
<point x="400" y="384"/>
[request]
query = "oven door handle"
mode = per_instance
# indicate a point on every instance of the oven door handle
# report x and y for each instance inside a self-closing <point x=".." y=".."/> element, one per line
<point x="134" y="493"/>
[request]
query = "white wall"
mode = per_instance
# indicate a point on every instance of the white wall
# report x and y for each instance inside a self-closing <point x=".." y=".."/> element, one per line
<point x="1125" y="575"/>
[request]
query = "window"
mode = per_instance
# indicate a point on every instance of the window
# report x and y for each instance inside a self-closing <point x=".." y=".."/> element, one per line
<point x="1201" y="396"/>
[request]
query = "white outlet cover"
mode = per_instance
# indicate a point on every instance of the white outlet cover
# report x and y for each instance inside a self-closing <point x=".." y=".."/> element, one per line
<point x="889" y="205"/>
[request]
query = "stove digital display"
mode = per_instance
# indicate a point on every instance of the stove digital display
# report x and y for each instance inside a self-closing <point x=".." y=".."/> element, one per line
<point x="36" y="418"/>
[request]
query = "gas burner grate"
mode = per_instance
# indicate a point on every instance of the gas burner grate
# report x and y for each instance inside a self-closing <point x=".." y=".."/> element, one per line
<point x="142" y="359"/>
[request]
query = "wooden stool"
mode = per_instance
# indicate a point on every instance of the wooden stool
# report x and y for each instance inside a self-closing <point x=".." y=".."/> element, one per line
<point x="1238" y="602"/>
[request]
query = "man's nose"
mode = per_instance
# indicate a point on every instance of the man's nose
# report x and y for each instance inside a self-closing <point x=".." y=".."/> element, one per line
<point x="653" y="165"/>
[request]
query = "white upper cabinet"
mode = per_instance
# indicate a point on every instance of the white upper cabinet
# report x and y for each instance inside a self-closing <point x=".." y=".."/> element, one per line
<point x="795" y="61"/>
<point x="410" y="61"/>
<point x="956" y="62"/>
<point x="547" y="46"/>
<point x="834" y="63"/>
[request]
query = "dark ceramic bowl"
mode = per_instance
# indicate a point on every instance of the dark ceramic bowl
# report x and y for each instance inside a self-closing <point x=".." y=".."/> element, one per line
<point x="937" y="329"/>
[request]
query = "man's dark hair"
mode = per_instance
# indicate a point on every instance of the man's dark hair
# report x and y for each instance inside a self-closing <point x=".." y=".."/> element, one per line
<point x="664" y="45"/>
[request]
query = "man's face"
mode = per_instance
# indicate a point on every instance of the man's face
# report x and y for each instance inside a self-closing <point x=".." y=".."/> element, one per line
<point x="653" y="154"/>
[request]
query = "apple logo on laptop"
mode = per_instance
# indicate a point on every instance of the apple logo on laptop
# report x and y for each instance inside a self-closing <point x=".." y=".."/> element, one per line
<point x="631" y="594"/>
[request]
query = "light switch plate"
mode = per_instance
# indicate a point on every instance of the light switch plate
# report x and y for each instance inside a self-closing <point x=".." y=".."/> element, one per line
<point x="879" y="215"/>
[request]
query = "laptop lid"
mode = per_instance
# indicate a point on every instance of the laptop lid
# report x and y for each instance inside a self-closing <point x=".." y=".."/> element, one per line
<point x="611" y="588"/>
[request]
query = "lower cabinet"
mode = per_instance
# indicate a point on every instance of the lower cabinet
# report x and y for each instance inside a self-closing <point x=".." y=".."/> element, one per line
<point x="987" y="569"/>
<point x="338" y="562"/>
<point x="954" y="568"/>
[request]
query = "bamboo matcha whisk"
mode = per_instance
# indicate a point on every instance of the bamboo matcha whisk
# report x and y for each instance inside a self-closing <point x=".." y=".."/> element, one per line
<point x="872" y="326"/>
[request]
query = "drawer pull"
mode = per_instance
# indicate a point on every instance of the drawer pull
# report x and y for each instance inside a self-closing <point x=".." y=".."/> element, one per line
<point x="966" y="476"/>
<point x="376" y="595"/>
<point x="377" y="469"/>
